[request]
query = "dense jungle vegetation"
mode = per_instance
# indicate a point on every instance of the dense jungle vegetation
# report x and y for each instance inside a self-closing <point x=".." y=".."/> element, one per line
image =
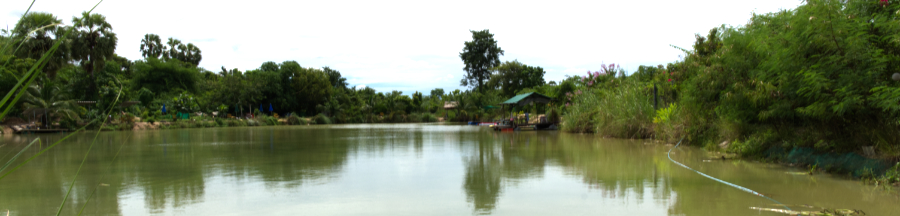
<point x="823" y="76"/>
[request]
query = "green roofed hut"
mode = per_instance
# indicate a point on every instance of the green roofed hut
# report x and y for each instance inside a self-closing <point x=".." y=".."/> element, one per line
<point x="523" y="100"/>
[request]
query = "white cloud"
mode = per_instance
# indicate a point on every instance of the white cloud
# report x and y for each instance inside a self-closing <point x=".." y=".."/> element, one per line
<point x="405" y="45"/>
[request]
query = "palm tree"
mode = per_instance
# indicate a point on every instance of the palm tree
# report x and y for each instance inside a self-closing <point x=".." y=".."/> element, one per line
<point x="41" y="31"/>
<point x="172" y="51"/>
<point x="192" y="54"/>
<point x="49" y="102"/>
<point x="94" y="42"/>
<point x="151" y="46"/>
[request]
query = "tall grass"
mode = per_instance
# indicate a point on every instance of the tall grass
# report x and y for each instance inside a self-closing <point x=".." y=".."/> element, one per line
<point x="582" y="111"/>
<point x="624" y="110"/>
<point x="16" y="93"/>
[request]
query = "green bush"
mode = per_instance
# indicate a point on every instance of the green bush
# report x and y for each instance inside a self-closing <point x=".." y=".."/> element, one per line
<point x="236" y="123"/>
<point x="270" y="120"/>
<point x="753" y="144"/>
<point x="428" y="117"/>
<point x="321" y="119"/>
<point x="210" y="124"/>
<point x="414" y="117"/>
<point x="892" y="175"/>
<point x="150" y="119"/>
<point x="553" y="115"/>
<point x="296" y="120"/>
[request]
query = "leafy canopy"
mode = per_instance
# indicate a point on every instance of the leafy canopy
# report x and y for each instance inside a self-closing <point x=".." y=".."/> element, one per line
<point x="479" y="56"/>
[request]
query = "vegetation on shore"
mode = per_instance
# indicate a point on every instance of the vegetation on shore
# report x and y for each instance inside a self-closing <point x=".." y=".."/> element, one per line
<point x="168" y="76"/>
<point x="818" y="78"/>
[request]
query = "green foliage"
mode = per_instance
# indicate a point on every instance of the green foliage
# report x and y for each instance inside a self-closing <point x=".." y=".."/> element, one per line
<point x="296" y="120"/>
<point x="624" y="111"/>
<point x="94" y="42"/>
<point x="151" y="46"/>
<point x="553" y="115"/>
<point x="663" y="115"/>
<point x="428" y="117"/>
<point x="754" y="144"/>
<point x="271" y="120"/>
<point x="184" y="103"/>
<point x="514" y="76"/>
<point x="187" y="53"/>
<point x="110" y="85"/>
<point x="209" y="123"/>
<point x="145" y="96"/>
<point x="479" y="55"/>
<point x="41" y="31"/>
<point x="811" y="71"/>
<point x="437" y="93"/>
<point x="334" y="77"/>
<point x="49" y="101"/>
<point x="892" y="175"/>
<point x="163" y="77"/>
<point x="310" y="87"/>
<point x="321" y="119"/>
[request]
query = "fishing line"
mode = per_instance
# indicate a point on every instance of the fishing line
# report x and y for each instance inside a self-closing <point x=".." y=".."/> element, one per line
<point x="719" y="180"/>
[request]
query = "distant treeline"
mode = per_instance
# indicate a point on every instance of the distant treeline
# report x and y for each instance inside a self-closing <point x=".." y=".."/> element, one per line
<point x="85" y="68"/>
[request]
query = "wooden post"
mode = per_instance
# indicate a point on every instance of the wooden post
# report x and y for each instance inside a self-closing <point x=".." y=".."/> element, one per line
<point x="655" y="98"/>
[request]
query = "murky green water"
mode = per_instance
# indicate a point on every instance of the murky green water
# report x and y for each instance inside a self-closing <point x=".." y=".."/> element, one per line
<point x="401" y="169"/>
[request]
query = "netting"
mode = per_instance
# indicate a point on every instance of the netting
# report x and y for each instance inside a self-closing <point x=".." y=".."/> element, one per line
<point x="851" y="163"/>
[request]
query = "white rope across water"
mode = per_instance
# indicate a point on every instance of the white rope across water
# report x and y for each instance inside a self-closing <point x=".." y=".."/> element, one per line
<point x="669" y="154"/>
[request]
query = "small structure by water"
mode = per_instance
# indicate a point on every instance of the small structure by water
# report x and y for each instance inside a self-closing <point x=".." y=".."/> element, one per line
<point x="522" y="100"/>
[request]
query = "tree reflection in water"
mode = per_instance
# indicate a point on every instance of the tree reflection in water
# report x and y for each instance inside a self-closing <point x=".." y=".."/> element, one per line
<point x="397" y="166"/>
<point x="499" y="160"/>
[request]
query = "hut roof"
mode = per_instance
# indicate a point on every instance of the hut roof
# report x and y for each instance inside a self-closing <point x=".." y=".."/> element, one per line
<point x="528" y="98"/>
<point x="451" y="104"/>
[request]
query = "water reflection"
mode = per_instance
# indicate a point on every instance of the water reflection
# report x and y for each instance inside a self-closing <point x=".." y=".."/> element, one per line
<point x="394" y="169"/>
<point x="616" y="170"/>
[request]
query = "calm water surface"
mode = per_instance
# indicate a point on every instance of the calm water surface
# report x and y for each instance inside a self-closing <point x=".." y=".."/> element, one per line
<point x="400" y="169"/>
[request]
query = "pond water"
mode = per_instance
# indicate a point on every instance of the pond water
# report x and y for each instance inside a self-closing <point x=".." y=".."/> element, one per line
<point x="400" y="169"/>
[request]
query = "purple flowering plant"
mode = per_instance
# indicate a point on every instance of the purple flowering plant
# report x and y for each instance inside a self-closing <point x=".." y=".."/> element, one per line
<point x="596" y="77"/>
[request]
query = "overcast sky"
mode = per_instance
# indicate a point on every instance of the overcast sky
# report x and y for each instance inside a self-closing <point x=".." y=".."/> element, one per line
<point x="413" y="45"/>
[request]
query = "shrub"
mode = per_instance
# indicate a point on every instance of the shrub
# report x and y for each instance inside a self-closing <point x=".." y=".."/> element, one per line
<point x="754" y="144"/>
<point x="414" y="117"/>
<point x="321" y="119"/>
<point x="271" y="120"/>
<point x="553" y="115"/>
<point x="296" y="120"/>
<point x="236" y="123"/>
<point x="893" y="174"/>
<point x="428" y="117"/>
<point x="210" y="123"/>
